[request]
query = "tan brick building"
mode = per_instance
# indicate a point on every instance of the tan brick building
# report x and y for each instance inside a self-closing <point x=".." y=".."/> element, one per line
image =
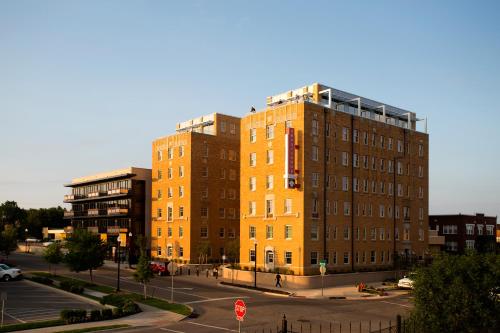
<point x="195" y="189"/>
<point x="328" y="175"/>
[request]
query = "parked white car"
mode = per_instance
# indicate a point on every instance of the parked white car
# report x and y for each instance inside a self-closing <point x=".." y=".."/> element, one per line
<point x="7" y="273"/>
<point x="406" y="282"/>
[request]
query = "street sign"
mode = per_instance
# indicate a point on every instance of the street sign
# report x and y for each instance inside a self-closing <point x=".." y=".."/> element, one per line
<point x="171" y="267"/>
<point x="240" y="309"/>
<point x="322" y="262"/>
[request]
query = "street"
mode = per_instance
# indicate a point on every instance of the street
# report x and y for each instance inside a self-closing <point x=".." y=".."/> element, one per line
<point x="214" y="304"/>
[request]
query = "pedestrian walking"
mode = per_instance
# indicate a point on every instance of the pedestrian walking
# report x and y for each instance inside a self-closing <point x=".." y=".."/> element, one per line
<point x="278" y="280"/>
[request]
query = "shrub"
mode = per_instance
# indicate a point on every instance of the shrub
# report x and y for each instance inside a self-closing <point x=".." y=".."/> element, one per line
<point x="113" y="299"/>
<point x="72" y="286"/>
<point x="106" y="314"/>
<point x="43" y="280"/>
<point x="117" y="312"/>
<point x="95" y="315"/>
<point x="74" y="316"/>
<point x="130" y="308"/>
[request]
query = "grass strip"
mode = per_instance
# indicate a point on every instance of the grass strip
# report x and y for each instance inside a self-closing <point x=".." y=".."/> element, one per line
<point x="30" y="326"/>
<point x="94" y="329"/>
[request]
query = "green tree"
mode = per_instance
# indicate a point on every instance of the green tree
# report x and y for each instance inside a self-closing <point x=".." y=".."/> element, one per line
<point x="12" y="214"/>
<point x="203" y="250"/>
<point x="85" y="252"/>
<point x="53" y="255"/>
<point x="8" y="240"/>
<point x="143" y="272"/>
<point x="233" y="250"/>
<point x="457" y="294"/>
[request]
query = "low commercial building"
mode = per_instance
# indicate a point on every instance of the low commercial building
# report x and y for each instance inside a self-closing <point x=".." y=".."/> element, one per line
<point x="465" y="232"/>
<point x="116" y="205"/>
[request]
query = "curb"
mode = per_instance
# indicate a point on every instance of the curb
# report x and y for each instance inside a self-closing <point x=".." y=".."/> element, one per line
<point x="260" y="290"/>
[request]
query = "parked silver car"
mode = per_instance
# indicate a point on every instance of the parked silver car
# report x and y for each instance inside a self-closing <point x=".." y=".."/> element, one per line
<point x="8" y="273"/>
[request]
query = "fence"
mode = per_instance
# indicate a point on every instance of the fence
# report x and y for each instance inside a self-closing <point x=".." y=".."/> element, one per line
<point x="399" y="325"/>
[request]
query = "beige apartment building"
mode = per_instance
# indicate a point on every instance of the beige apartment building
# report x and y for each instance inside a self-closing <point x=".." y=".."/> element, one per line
<point x="195" y="189"/>
<point x="330" y="176"/>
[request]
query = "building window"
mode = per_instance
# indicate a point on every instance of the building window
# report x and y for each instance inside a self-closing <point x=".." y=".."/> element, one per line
<point x="170" y="152"/>
<point x="204" y="172"/>
<point x="389" y="143"/>
<point x="181" y="151"/>
<point x="159" y="155"/>
<point x="314" y="258"/>
<point x="253" y="159"/>
<point x="181" y="211"/>
<point x="373" y="233"/>
<point x="270" y="157"/>
<point x="381" y="234"/>
<point x="345" y="183"/>
<point x="269" y="232"/>
<point x="346" y="258"/>
<point x="315" y="127"/>
<point x="347" y="208"/>
<point x="315" y="179"/>
<point x="158" y="212"/>
<point x="269" y="208"/>
<point x="269" y="182"/>
<point x="346" y="233"/>
<point x="232" y="128"/>
<point x="400" y="146"/>
<point x="223" y="126"/>
<point x="252" y="256"/>
<point x="451" y="246"/>
<point x="169" y="231"/>
<point x="253" y="134"/>
<point x="489" y="230"/>
<point x="222" y="232"/>
<point x="205" y="150"/>
<point x="169" y="251"/>
<point x="373" y="257"/>
<point x="181" y="191"/>
<point x="181" y="252"/>
<point x="288" y="231"/>
<point x="406" y="234"/>
<point x="420" y="171"/>
<point x="355" y="185"/>
<point x="470" y="229"/>
<point x="345" y="134"/>
<point x="270" y="132"/>
<point x="382" y="211"/>
<point x="252" y="208"/>
<point x="158" y="249"/>
<point x="420" y="150"/>
<point x="204" y="212"/>
<point x="232" y="155"/>
<point x="169" y="173"/>
<point x="232" y="194"/>
<point x="345" y="158"/>
<point x="181" y="232"/>
<point x="252" y="183"/>
<point x="204" y="193"/>
<point x="160" y="174"/>
<point x="159" y="195"/>
<point x="204" y="232"/>
<point x="222" y="213"/>
<point x="314" y="231"/>
<point x="355" y="160"/>
<point x="315" y="153"/>
<point x="231" y="233"/>
<point x="288" y="257"/>
<point x="355" y="136"/>
<point x="169" y="192"/>
<point x="421" y="234"/>
<point x="365" y="138"/>
<point x="158" y="232"/>
<point x="288" y="206"/>
<point x="450" y="229"/>
<point x="232" y="174"/>
<point x="223" y="154"/>
<point x="252" y="232"/>
<point x="374" y="140"/>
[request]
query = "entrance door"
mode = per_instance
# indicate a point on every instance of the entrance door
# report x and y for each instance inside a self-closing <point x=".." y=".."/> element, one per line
<point x="269" y="260"/>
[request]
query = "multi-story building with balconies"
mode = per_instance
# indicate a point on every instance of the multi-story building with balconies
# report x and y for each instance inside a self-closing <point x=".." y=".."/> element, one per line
<point x="331" y="176"/>
<point x="116" y="205"/>
<point x="195" y="208"/>
<point x="462" y="232"/>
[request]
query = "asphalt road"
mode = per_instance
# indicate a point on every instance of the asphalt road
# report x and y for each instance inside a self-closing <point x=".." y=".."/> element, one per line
<point x="27" y="302"/>
<point x="214" y="303"/>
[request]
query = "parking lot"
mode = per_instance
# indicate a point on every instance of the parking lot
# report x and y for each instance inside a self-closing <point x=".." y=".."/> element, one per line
<point x="28" y="302"/>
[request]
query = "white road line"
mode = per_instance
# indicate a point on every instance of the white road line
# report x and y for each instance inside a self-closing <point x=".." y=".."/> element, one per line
<point x="169" y="330"/>
<point x="22" y="321"/>
<point x="210" y="326"/>
<point x="215" y="299"/>
<point x="156" y="287"/>
<point x="406" y="306"/>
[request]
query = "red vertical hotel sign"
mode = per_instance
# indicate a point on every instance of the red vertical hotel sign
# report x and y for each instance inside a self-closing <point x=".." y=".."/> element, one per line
<point x="290" y="157"/>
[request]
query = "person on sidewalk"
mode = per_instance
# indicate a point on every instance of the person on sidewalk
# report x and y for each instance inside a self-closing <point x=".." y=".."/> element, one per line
<point x="278" y="280"/>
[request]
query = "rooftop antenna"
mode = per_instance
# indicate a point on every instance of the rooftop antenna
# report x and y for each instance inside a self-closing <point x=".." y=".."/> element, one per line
<point x="252" y="110"/>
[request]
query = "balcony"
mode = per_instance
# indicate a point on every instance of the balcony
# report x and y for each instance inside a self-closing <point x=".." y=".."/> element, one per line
<point x="93" y="212"/>
<point x="95" y="194"/>
<point x="69" y="213"/>
<point x="435" y="239"/>
<point x="117" y="211"/>
<point x="71" y="197"/>
<point x="118" y="191"/>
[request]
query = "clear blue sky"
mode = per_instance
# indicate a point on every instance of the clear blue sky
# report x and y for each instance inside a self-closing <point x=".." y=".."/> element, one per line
<point x="85" y="86"/>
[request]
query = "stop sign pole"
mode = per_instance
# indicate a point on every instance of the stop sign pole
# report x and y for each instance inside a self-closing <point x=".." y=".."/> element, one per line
<point x="240" y="309"/>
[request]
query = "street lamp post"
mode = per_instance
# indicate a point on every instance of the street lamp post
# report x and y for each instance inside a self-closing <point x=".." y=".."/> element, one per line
<point x="26" y="235"/>
<point x="255" y="267"/>
<point x="118" y="273"/>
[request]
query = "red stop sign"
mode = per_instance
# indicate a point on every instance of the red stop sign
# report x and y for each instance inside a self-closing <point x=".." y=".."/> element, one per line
<point x="240" y="309"/>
